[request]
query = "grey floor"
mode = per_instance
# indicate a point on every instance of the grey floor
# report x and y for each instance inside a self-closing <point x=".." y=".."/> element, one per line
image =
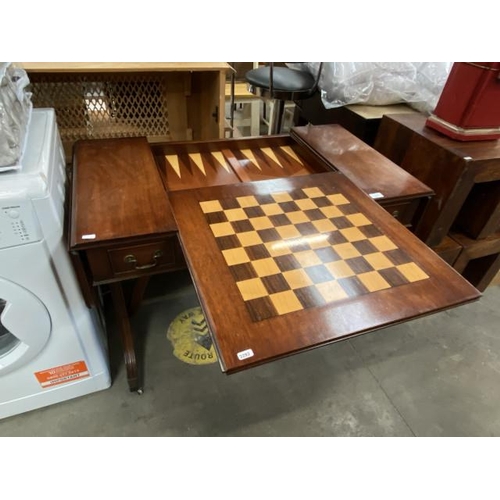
<point x="436" y="376"/>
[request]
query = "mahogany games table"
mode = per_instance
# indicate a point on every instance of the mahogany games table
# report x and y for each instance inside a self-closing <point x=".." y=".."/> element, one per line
<point x="292" y="241"/>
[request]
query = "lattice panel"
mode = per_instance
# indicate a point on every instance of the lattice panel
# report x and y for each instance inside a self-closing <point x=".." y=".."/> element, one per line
<point x="104" y="105"/>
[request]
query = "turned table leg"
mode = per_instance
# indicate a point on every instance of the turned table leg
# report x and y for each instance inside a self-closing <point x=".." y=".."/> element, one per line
<point x="126" y="336"/>
<point x="137" y="294"/>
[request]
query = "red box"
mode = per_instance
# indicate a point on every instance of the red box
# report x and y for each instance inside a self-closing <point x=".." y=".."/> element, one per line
<point x="469" y="106"/>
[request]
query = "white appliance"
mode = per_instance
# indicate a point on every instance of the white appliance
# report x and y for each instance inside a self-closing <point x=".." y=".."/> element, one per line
<point x="51" y="345"/>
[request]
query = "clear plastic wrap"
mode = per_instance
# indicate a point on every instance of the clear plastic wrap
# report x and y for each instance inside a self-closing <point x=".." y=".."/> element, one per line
<point x="418" y="84"/>
<point x="15" y="113"/>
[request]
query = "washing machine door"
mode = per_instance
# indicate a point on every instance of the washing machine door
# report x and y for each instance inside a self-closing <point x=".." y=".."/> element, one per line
<point x="25" y="326"/>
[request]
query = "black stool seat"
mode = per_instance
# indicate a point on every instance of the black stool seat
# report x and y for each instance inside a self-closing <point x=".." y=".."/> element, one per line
<point x="284" y="79"/>
<point x="282" y="84"/>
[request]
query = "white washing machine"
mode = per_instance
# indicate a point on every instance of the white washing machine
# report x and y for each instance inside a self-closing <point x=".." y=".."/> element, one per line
<point x="52" y="346"/>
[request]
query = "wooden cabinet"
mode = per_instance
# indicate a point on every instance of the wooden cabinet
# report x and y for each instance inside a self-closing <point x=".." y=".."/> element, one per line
<point x="466" y="179"/>
<point x="161" y="101"/>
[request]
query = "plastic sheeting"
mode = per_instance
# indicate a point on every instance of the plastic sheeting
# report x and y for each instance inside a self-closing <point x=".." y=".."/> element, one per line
<point x="418" y="84"/>
<point x="15" y="113"/>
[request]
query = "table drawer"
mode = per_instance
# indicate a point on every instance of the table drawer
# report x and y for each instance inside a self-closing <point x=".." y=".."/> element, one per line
<point x="403" y="211"/>
<point x="133" y="260"/>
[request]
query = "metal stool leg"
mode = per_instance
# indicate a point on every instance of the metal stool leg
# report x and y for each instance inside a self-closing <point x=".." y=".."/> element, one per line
<point x="277" y="119"/>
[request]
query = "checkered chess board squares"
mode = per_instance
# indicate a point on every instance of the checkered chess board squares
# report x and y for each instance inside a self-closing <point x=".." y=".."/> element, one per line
<point x="290" y="251"/>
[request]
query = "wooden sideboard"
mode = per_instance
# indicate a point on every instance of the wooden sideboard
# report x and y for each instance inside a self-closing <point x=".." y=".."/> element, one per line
<point x="466" y="179"/>
<point x="161" y="101"/>
<point x="122" y="226"/>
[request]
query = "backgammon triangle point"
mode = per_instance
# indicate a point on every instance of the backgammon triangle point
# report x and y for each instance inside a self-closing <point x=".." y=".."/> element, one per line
<point x="269" y="152"/>
<point x="196" y="157"/>
<point x="288" y="150"/>
<point x="174" y="162"/>
<point x="249" y="154"/>
<point x="222" y="161"/>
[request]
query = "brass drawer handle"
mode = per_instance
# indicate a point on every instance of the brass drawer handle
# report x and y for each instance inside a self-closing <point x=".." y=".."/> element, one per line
<point x="395" y="213"/>
<point x="131" y="259"/>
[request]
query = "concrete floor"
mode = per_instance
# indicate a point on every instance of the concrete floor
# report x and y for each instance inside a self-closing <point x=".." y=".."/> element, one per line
<point x="436" y="376"/>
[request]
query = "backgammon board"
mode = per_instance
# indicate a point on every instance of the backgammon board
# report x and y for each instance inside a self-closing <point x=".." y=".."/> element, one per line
<point x="285" y="265"/>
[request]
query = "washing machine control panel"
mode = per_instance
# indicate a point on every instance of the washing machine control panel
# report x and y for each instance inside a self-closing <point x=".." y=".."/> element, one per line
<point x="18" y="224"/>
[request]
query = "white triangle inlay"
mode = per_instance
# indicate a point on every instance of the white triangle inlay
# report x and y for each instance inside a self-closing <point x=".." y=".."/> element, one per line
<point x="249" y="154"/>
<point x="220" y="158"/>
<point x="174" y="161"/>
<point x="292" y="153"/>
<point x="269" y="152"/>
<point x="196" y="157"/>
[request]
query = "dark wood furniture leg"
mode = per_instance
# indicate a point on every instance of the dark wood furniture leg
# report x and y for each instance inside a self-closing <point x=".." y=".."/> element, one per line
<point x="140" y="286"/>
<point x="126" y="337"/>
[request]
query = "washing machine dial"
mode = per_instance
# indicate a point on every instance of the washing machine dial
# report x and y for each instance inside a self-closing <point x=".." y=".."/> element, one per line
<point x="13" y="213"/>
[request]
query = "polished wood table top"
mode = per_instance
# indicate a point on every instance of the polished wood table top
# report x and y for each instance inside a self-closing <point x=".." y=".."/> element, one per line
<point x="117" y="193"/>
<point x="363" y="165"/>
<point x="285" y="265"/>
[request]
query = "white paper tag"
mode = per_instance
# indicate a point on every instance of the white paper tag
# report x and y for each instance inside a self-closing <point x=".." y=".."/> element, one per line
<point x="245" y="354"/>
<point x="376" y="196"/>
<point x="88" y="236"/>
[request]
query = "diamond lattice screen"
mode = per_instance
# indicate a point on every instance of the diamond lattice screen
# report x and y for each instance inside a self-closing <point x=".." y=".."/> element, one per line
<point x="104" y="106"/>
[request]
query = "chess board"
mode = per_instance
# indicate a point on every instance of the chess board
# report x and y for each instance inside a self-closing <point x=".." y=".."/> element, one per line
<point x="281" y="266"/>
<point x="304" y="248"/>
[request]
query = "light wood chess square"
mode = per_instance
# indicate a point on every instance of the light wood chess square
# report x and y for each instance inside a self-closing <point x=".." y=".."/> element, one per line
<point x="297" y="278"/>
<point x="313" y="192"/>
<point x="265" y="267"/>
<point x="272" y="209"/>
<point x="235" y="256"/>
<point x="285" y="302"/>
<point x="324" y="225"/>
<point x="278" y="248"/>
<point x="222" y="229"/>
<point x="339" y="269"/>
<point x="297" y="217"/>
<point x="208" y="207"/>
<point x="261" y="223"/>
<point x="331" y="212"/>
<point x="378" y="261"/>
<point x="373" y="281"/>
<point x="346" y="250"/>
<point x="307" y="258"/>
<point x="281" y="197"/>
<point x="338" y="199"/>
<point x="249" y="238"/>
<point x="247" y="201"/>
<point x="319" y="241"/>
<point x="412" y="272"/>
<point x="306" y="204"/>
<point x="352" y="234"/>
<point x="287" y="232"/>
<point x="358" y="220"/>
<point x="331" y="291"/>
<point x="383" y="243"/>
<point x="252" y="289"/>
<point x="235" y="214"/>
